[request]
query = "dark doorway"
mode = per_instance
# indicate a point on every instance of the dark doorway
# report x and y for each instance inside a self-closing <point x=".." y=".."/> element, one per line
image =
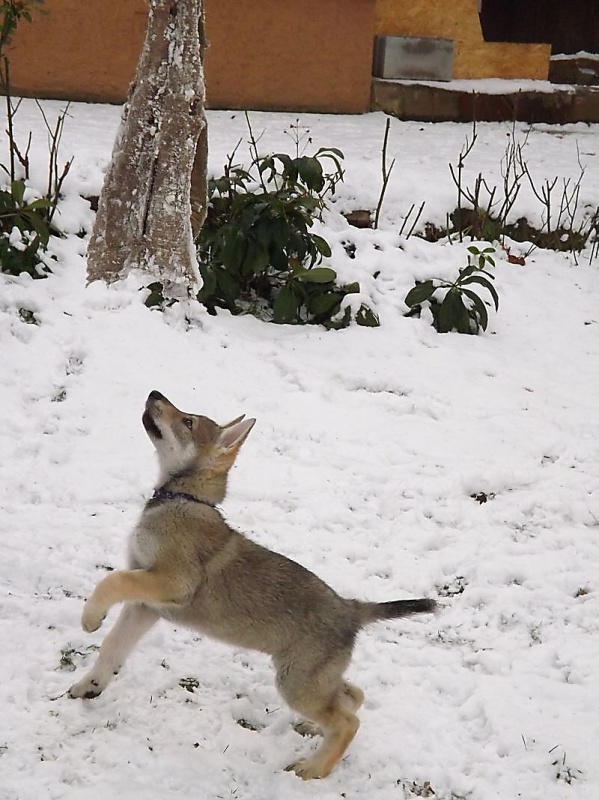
<point x="568" y="27"/>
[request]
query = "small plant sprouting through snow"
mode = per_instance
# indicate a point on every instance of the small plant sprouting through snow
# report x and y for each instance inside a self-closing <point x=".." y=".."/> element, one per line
<point x="249" y="725"/>
<point x="456" y="586"/>
<point x="412" y="789"/>
<point x="482" y="497"/>
<point x="189" y="684"/>
<point x="563" y="771"/>
<point x="460" y="309"/>
<point x="27" y="316"/>
<point x="69" y="654"/>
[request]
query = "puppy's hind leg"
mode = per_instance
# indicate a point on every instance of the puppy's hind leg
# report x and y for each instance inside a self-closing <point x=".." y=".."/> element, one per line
<point x="134" y="622"/>
<point x="339" y="726"/>
<point x="323" y="697"/>
<point x="353" y="697"/>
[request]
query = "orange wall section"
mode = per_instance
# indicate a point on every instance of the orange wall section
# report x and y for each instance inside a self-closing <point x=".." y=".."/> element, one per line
<point x="313" y="55"/>
<point x="298" y="54"/>
<point x="78" y="50"/>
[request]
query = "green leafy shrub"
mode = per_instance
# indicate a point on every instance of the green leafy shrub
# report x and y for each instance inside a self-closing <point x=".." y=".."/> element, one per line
<point x="24" y="231"/>
<point x="460" y="308"/>
<point x="257" y="252"/>
<point x="12" y="12"/>
<point x="25" y="226"/>
<point x="156" y="297"/>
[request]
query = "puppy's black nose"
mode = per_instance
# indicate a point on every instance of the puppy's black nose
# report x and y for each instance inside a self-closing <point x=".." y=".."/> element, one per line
<point x="154" y="395"/>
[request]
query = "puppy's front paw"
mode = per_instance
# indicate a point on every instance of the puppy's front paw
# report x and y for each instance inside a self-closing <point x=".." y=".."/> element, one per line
<point x="307" y="769"/>
<point x="86" y="689"/>
<point x="307" y="728"/>
<point x="92" y="617"/>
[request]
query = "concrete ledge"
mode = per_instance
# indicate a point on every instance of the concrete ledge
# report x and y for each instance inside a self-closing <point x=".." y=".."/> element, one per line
<point x="464" y="101"/>
<point x="580" y="69"/>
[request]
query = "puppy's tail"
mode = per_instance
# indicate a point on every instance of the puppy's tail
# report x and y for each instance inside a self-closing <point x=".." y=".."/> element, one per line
<point x="372" y="612"/>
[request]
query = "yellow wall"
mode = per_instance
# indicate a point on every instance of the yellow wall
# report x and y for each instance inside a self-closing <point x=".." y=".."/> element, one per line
<point x="459" y="20"/>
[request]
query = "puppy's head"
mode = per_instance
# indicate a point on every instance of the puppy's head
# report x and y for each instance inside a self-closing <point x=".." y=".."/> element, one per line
<point x="189" y="442"/>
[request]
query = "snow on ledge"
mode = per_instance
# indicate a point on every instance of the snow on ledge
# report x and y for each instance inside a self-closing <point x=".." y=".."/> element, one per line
<point x="574" y="56"/>
<point x="489" y="85"/>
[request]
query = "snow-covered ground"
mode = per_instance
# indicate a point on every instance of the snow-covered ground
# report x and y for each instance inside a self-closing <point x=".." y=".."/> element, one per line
<point x="369" y="447"/>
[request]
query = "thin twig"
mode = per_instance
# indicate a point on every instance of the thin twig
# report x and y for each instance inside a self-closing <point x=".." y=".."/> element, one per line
<point x="457" y="179"/>
<point x="253" y="142"/>
<point x="55" y="179"/>
<point x="418" y="215"/>
<point x="386" y="173"/>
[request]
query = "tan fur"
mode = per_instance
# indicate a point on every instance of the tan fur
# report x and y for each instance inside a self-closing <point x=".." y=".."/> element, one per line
<point x="188" y="566"/>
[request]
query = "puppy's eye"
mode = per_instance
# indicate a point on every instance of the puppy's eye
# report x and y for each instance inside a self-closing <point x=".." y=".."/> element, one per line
<point x="188" y="423"/>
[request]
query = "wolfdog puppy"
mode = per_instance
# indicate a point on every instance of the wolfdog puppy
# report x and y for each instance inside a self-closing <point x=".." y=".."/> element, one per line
<point x="188" y="566"/>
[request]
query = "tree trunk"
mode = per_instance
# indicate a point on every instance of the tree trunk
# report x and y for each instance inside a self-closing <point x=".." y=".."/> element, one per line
<point x="144" y="214"/>
<point x="199" y="172"/>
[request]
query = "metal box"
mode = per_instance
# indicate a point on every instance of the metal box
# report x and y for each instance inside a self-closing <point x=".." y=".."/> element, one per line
<point x="413" y="58"/>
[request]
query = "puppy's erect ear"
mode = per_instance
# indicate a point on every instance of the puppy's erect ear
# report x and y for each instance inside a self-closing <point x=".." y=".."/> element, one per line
<point x="230" y="439"/>
<point x="234" y="422"/>
<point x="234" y="433"/>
